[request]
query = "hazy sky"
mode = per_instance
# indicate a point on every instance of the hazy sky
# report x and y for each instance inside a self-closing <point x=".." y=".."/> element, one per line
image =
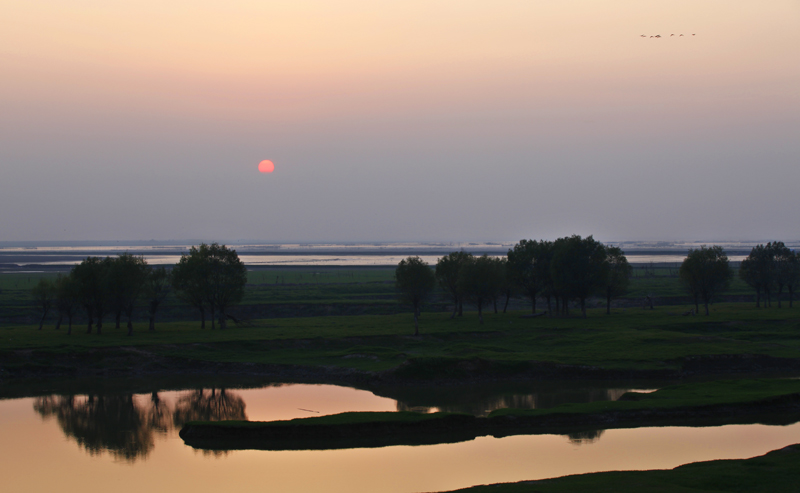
<point x="399" y="121"/>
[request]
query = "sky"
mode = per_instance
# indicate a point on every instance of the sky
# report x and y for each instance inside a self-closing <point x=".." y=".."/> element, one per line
<point x="399" y="121"/>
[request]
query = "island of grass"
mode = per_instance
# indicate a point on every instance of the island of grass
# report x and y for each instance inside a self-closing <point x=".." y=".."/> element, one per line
<point x="777" y="471"/>
<point x="769" y="401"/>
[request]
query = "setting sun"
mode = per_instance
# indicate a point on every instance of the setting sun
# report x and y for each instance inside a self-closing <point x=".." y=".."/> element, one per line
<point x="266" y="166"/>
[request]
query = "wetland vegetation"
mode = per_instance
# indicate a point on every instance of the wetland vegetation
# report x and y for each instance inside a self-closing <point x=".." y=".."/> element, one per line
<point x="284" y="332"/>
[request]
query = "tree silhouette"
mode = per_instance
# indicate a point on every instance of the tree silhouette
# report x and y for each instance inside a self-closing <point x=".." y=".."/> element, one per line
<point x="414" y="281"/>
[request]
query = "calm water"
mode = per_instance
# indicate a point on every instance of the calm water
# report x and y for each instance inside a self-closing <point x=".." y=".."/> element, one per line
<point x="125" y="442"/>
<point x="324" y="254"/>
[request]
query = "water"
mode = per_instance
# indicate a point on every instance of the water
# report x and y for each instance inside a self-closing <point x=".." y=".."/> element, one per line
<point x="129" y="443"/>
<point x="325" y="254"/>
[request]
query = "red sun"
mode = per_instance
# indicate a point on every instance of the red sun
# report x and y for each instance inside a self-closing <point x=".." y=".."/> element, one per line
<point x="266" y="166"/>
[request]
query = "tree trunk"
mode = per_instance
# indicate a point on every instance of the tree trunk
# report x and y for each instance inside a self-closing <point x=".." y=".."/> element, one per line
<point x="153" y="308"/>
<point x="117" y="316"/>
<point x="558" y="305"/>
<point x="455" y="308"/>
<point x="480" y="311"/>
<point x="791" y="295"/>
<point x="696" y="304"/>
<point x="89" y="327"/>
<point x="494" y="303"/>
<point x="223" y="323"/>
<point x="41" y="320"/>
<point x="780" y="291"/>
<point x="460" y="308"/>
<point x="608" y="303"/>
<point x="213" y="317"/>
<point x="130" y="325"/>
<point x="69" y="325"/>
<point x="99" y="324"/>
<point x="508" y="297"/>
<point x="416" y="321"/>
<point x="758" y="298"/>
<point x="58" y="322"/>
<point x="202" y="318"/>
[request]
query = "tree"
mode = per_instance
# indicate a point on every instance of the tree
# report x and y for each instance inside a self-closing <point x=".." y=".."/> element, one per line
<point x="750" y="273"/>
<point x="619" y="275"/>
<point x="794" y="278"/>
<point x="480" y="282"/>
<point x="785" y="270"/>
<point x="156" y="289"/>
<point x="127" y="275"/>
<point x="414" y="281"/>
<point x="524" y="265"/>
<point x="448" y="269"/>
<point x="210" y="276"/>
<point x="578" y="268"/>
<point x="227" y="277"/>
<point x="190" y="280"/>
<point x="91" y="278"/>
<point x="43" y="296"/>
<point x="705" y="273"/>
<point x="67" y="299"/>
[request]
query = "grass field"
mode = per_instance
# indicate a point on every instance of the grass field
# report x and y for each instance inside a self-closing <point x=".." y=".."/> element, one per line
<point x="629" y="338"/>
<point x="777" y="471"/>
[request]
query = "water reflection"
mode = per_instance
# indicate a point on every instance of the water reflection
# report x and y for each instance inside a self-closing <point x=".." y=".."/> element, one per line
<point x="125" y="425"/>
<point x="115" y="423"/>
<point x="585" y="437"/>
<point x="217" y="405"/>
<point x="482" y="403"/>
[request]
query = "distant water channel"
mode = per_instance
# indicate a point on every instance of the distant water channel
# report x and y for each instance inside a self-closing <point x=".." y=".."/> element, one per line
<point x="15" y="257"/>
<point x="127" y="442"/>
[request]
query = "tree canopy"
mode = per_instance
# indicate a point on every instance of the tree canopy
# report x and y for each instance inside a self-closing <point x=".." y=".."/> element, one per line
<point x="705" y="273"/>
<point x="414" y="280"/>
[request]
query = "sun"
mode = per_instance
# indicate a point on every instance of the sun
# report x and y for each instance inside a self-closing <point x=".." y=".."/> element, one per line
<point x="266" y="166"/>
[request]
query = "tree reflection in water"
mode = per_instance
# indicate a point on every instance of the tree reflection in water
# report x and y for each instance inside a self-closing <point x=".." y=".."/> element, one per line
<point x="217" y="405"/>
<point x="101" y="422"/>
<point x="585" y="437"/>
<point x="126" y="428"/>
<point x="478" y="405"/>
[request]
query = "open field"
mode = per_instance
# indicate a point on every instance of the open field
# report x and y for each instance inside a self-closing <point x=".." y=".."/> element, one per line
<point x="660" y="340"/>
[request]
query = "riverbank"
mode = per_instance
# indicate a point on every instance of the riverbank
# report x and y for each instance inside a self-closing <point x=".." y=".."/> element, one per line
<point x="776" y="471"/>
<point x="639" y="344"/>
<point x="766" y="401"/>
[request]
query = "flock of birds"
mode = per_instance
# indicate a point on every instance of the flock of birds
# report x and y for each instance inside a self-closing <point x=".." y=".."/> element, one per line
<point x="658" y="35"/>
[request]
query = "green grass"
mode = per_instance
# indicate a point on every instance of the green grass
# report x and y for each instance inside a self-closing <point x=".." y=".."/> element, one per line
<point x="684" y="395"/>
<point x="777" y="471"/>
<point x="628" y="339"/>
<point x="333" y="420"/>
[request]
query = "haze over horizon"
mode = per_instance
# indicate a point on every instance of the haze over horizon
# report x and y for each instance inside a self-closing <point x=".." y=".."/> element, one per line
<point x="421" y="122"/>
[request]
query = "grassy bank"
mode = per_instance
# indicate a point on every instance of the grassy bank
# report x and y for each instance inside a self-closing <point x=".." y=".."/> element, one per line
<point x="634" y="339"/>
<point x="697" y="404"/>
<point x="777" y="471"/>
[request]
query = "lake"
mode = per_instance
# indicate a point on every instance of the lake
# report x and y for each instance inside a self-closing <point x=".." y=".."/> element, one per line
<point x="129" y="442"/>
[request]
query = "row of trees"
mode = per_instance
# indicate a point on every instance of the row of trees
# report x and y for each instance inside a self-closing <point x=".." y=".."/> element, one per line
<point x="769" y="269"/>
<point x="572" y="269"/>
<point x="210" y="278"/>
<point x="568" y="269"/>
<point x="99" y="286"/>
